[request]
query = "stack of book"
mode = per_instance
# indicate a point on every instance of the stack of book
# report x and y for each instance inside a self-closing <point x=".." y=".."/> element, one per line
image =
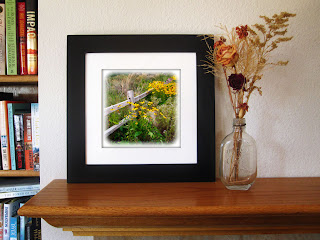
<point x="13" y="226"/>
<point x="19" y="129"/>
<point x="18" y="37"/>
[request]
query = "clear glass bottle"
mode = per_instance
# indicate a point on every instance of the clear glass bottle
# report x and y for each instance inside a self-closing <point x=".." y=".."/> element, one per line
<point x="238" y="158"/>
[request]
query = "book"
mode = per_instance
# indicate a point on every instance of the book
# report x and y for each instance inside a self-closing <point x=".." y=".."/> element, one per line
<point x="1" y="219"/>
<point x="10" y="209"/>
<point x="15" y="227"/>
<point x="19" y="142"/>
<point x="22" y="36"/>
<point x="28" y="152"/>
<point x="32" y="42"/>
<point x="4" y="130"/>
<point x="23" y="222"/>
<point x="19" y="184"/>
<point x="11" y="37"/>
<point x="2" y="38"/>
<point x="6" y="195"/>
<point x="35" y="126"/>
<point x="15" y="108"/>
<point x="36" y="229"/>
<point x="28" y="230"/>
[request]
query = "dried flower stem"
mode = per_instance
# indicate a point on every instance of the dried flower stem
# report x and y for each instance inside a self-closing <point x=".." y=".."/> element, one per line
<point x="230" y="94"/>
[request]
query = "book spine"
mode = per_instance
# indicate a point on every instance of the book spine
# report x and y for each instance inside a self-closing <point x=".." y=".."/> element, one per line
<point x="32" y="42"/>
<point x="36" y="228"/>
<point x="18" y="194"/>
<point x="1" y="221"/>
<point x="20" y="188"/>
<point x="5" y="145"/>
<point x="23" y="222"/>
<point x="28" y="153"/>
<point x="11" y="137"/>
<point x="14" y="225"/>
<point x="11" y="37"/>
<point x="28" y="231"/>
<point x="18" y="129"/>
<point x="35" y="135"/>
<point x="22" y="33"/>
<point x="2" y="39"/>
<point x="6" y="221"/>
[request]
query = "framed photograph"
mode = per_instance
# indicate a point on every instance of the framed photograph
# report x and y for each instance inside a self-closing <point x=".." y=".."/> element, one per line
<point x="140" y="109"/>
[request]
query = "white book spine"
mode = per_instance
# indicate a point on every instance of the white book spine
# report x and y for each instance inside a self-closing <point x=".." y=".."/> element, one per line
<point x="18" y="194"/>
<point x="6" y="163"/>
<point x="35" y="135"/>
<point x="19" y="188"/>
<point x="6" y="221"/>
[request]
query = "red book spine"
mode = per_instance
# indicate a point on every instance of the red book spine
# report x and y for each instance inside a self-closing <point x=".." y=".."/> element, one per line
<point x="28" y="153"/>
<point x="22" y="34"/>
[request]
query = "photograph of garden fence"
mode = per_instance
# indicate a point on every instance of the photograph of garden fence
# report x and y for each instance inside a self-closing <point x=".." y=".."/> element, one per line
<point x="141" y="108"/>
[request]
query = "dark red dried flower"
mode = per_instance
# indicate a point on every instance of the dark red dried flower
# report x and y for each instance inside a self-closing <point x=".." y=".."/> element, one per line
<point x="242" y="31"/>
<point x="244" y="106"/>
<point x="236" y="81"/>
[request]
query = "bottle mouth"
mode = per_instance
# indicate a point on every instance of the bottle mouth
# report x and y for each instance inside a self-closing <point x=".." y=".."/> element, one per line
<point x="239" y="122"/>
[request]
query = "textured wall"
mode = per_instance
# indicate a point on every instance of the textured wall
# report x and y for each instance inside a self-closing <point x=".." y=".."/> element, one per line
<point x="285" y="121"/>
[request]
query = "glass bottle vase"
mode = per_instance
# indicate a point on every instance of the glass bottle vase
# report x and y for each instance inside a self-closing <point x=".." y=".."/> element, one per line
<point x="238" y="158"/>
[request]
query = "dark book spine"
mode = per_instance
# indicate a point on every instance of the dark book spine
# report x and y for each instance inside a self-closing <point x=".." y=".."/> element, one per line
<point x="28" y="153"/>
<point x="36" y="229"/>
<point x="19" y="145"/>
<point x="32" y="42"/>
<point x="28" y="231"/>
<point x="22" y="34"/>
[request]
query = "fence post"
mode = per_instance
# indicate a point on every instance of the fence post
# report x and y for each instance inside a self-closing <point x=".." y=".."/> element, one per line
<point x="130" y="97"/>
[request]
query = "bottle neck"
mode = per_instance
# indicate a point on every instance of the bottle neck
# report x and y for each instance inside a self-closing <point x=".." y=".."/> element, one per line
<point x="239" y="124"/>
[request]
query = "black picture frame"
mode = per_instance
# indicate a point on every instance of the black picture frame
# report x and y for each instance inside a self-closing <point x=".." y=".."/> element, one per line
<point x="78" y="170"/>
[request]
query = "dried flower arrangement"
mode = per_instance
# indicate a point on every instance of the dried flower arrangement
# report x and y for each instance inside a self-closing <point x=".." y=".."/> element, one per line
<point x="243" y="54"/>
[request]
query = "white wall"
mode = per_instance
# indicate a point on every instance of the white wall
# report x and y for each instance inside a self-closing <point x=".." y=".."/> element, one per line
<point x="284" y="121"/>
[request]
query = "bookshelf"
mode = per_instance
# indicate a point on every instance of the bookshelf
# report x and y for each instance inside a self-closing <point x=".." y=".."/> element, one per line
<point x="19" y="81"/>
<point x="19" y="173"/>
<point x="271" y="206"/>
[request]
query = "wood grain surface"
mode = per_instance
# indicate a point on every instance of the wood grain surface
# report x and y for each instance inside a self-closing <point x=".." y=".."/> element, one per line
<point x="272" y="205"/>
<point x="25" y="79"/>
<point x="19" y="173"/>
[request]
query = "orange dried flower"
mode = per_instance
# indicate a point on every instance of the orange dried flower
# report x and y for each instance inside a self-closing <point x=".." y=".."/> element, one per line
<point x="226" y="55"/>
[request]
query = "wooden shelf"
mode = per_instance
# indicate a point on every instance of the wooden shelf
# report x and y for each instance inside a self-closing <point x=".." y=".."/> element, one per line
<point x="19" y="173"/>
<point x="271" y="206"/>
<point x="19" y="79"/>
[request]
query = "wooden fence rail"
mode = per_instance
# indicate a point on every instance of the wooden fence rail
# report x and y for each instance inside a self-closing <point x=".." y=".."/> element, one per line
<point x="115" y="107"/>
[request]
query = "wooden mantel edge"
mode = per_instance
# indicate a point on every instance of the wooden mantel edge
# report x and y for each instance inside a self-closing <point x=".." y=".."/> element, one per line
<point x="180" y="220"/>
